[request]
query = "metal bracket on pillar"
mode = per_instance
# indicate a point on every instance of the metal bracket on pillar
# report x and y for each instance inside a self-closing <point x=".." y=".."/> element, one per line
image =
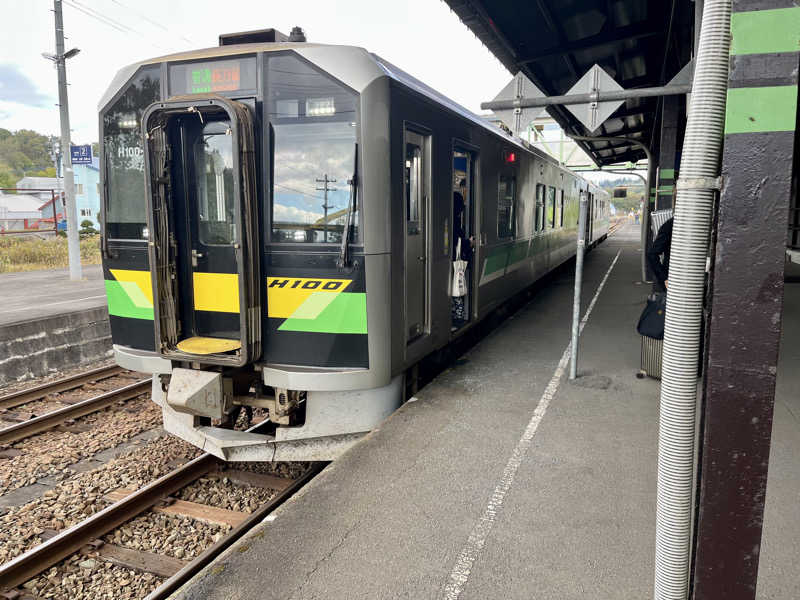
<point x="699" y="183"/>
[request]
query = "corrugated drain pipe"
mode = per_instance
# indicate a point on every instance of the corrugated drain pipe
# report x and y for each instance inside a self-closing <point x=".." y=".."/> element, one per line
<point x="699" y="170"/>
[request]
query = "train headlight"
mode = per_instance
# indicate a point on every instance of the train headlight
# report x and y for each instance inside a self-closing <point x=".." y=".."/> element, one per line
<point x="320" y="107"/>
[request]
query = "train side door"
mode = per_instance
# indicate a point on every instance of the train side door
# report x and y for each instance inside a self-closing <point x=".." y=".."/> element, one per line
<point x="464" y="229"/>
<point x="416" y="192"/>
<point x="212" y="223"/>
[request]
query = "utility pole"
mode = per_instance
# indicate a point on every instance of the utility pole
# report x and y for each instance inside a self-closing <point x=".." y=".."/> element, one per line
<point x="73" y="244"/>
<point x="325" y="205"/>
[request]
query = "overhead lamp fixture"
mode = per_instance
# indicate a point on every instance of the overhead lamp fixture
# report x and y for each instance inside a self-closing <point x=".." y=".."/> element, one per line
<point x="67" y="54"/>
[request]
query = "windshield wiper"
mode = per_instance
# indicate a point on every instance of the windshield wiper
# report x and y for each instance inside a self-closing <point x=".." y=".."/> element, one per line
<point x="344" y="251"/>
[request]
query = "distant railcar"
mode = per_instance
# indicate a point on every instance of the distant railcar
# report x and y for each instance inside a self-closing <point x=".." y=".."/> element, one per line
<point x="280" y="222"/>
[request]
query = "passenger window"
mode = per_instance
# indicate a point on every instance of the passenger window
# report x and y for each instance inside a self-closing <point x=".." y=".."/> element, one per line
<point x="214" y="180"/>
<point x="551" y="206"/>
<point x="560" y="209"/>
<point x="539" y="207"/>
<point x="506" y="206"/>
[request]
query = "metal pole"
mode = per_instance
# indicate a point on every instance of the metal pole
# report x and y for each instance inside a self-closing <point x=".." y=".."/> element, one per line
<point x="73" y="244"/>
<point x="576" y="298"/>
<point x="598" y="96"/>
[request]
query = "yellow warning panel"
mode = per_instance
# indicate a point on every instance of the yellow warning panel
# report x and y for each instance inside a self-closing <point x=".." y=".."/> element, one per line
<point x="208" y="345"/>
<point x="216" y="292"/>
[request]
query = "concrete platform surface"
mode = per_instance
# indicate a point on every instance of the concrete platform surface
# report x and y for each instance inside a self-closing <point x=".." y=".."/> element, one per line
<point x="37" y="294"/>
<point x="503" y="479"/>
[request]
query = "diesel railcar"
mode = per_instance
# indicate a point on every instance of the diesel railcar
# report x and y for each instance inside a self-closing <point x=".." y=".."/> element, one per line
<point x="279" y="231"/>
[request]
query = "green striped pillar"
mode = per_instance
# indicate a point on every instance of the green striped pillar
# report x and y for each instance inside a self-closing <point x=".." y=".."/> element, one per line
<point x="746" y="296"/>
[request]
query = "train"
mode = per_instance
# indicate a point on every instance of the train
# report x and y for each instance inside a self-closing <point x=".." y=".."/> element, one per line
<point x="280" y="224"/>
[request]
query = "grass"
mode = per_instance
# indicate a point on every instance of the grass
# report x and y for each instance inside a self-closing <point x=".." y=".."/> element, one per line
<point x="19" y="253"/>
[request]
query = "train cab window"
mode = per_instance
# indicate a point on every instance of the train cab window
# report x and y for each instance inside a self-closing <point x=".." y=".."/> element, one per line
<point x="551" y="206"/>
<point x="214" y="180"/>
<point x="313" y="124"/>
<point x="506" y="206"/>
<point x="539" y="225"/>
<point x="125" y="209"/>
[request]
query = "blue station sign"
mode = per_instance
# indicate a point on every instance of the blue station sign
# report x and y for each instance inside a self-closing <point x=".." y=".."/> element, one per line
<point x="81" y="155"/>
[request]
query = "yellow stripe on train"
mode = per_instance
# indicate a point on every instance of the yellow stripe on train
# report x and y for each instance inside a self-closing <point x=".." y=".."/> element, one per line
<point x="286" y="295"/>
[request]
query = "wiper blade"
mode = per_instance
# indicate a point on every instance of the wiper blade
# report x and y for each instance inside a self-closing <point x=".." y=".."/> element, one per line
<point x="344" y="251"/>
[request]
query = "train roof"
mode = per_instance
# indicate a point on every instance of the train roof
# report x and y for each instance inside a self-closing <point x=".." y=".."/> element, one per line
<point x="352" y="65"/>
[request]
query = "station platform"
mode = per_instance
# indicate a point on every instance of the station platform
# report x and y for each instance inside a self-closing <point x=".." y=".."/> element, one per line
<point x="502" y="479"/>
<point x="40" y="294"/>
<point x="49" y="323"/>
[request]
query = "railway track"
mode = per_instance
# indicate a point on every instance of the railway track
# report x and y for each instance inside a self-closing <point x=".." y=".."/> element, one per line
<point x="84" y="537"/>
<point x="59" y="385"/>
<point x="29" y="427"/>
<point x="619" y="223"/>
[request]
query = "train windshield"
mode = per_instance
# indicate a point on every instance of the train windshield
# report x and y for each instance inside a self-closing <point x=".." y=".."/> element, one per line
<point x="313" y="124"/>
<point x="125" y="216"/>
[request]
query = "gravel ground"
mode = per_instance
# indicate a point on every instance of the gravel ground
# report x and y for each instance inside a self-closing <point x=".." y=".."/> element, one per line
<point x="168" y="535"/>
<point x="94" y="580"/>
<point x="49" y="453"/>
<point x="291" y="470"/>
<point x="73" y="500"/>
<point x="223" y="493"/>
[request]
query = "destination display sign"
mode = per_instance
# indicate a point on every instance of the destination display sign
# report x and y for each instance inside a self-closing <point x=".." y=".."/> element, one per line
<point x="211" y="77"/>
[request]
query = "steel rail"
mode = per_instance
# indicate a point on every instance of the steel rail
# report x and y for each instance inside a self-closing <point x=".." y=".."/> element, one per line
<point x="47" y="421"/>
<point x="42" y="557"/>
<point x="60" y="385"/>
<point x="171" y="585"/>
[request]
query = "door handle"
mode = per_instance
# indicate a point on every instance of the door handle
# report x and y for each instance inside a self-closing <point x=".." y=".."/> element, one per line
<point x="421" y="258"/>
<point x="195" y="256"/>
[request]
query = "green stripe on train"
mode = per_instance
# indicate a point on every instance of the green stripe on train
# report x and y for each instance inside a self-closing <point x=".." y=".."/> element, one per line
<point x="496" y="261"/>
<point x="519" y="251"/>
<point x="124" y="301"/>
<point x="765" y="31"/>
<point x="346" y="313"/>
<point x="761" y="109"/>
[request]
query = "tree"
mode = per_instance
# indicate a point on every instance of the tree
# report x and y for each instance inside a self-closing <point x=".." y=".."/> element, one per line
<point x="48" y="172"/>
<point x="24" y="151"/>
<point x="87" y="229"/>
<point x="7" y="178"/>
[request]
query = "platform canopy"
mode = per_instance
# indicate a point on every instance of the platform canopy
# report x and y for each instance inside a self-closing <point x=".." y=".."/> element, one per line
<point x="639" y="43"/>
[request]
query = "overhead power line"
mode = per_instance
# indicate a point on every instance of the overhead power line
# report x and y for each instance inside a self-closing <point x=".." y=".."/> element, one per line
<point x="108" y="21"/>
<point x="151" y="21"/>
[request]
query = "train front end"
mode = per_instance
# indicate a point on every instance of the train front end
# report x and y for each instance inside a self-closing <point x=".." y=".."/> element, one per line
<point x="237" y="186"/>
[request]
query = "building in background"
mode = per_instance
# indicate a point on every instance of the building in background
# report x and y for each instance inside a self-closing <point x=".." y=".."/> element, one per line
<point x="87" y="192"/>
<point x="33" y="186"/>
<point x="19" y="212"/>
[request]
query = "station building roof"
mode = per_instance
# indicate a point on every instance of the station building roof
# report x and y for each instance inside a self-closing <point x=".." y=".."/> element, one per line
<point x="639" y="43"/>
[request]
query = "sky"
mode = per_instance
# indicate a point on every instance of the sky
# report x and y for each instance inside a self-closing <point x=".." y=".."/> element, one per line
<point x="423" y="37"/>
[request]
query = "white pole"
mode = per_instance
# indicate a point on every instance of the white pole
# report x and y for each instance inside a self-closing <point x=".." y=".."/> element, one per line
<point x="576" y="298"/>
<point x="73" y="243"/>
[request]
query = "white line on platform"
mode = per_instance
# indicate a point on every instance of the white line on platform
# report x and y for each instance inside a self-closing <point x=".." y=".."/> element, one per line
<point x="33" y="308"/>
<point x="477" y="537"/>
